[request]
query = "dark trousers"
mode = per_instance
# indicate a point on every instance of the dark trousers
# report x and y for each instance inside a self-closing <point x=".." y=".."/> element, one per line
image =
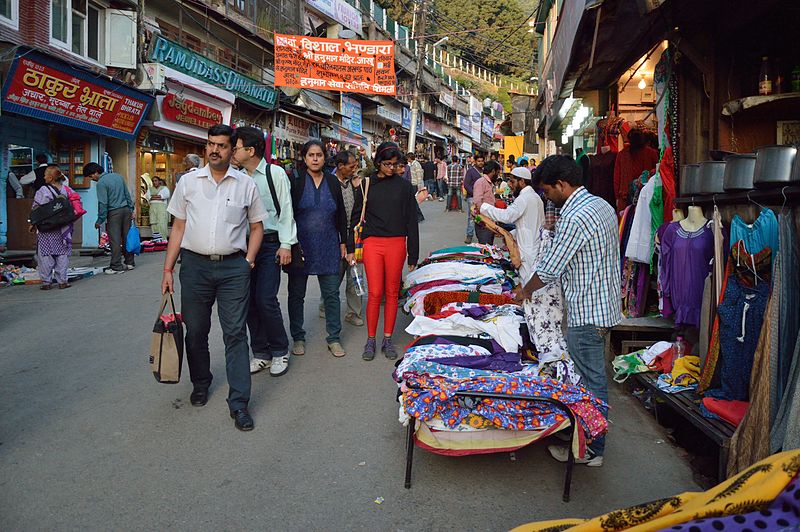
<point x="117" y="226"/>
<point x="441" y="187"/>
<point x="484" y="235"/>
<point x="228" y="283"/>
<point x="454" y="191"/>
<point x="430" y="184"/>
<point x="329" y="287"/>
<point x="264" y="320"/>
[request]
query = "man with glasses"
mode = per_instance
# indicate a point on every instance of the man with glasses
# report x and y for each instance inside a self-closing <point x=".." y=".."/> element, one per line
<point x="214" y="207"/>
<point x="268" y="339"/>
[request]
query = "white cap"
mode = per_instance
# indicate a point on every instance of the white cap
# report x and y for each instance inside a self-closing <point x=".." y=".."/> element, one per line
<point x="522" y="173"/>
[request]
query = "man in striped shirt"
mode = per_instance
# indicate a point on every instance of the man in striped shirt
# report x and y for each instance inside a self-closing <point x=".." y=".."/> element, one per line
<point x="585" y="256"/>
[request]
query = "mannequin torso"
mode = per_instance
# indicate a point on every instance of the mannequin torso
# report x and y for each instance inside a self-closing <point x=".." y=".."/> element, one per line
<point x="677" y="215"/>
<point x="695" y="220"/>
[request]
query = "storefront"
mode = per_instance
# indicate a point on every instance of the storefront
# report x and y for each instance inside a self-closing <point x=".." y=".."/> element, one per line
<point x="290" y="133"/>
<point x="73" y="117"/>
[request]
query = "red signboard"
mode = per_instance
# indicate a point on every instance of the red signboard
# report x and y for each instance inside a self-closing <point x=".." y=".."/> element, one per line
<point x="190" y="112"/>
<point x="365" y="67"/>
<point x="64" y="95"/>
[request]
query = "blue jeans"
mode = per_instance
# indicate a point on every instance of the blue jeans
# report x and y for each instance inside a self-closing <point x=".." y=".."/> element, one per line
<point x="430" y="184"/>
<point x="264" y="320"/>
<point x="470" y="219"/>
<point x="587" y="347"/>
<point x="228" y="283"/>
<point x="329" y="287"/>
<point x="454" y="191"/>
<point x="441" y="187"/>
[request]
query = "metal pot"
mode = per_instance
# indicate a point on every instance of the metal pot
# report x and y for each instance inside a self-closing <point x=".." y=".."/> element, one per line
<point x="690" y="183"/>
<point x="774" y="164"/>
<point x="739" y="169"/>
<point x="712" y="177"/>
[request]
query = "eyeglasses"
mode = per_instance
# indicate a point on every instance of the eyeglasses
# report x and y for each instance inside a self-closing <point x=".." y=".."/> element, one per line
<point x="236" y="148"/>
<point x="387" y="164"/>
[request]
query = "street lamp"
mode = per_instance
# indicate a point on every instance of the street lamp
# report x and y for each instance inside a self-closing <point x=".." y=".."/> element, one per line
<point x="441" y="41"/>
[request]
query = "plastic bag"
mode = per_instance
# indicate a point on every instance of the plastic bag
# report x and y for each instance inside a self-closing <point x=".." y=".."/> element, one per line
<point x="133" y="242"/>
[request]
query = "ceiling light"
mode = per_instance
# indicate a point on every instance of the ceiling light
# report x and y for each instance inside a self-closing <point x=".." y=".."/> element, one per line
<point x="642" y="84"/>
<point x="564" y="139"/>
<point x="570" y="130"/>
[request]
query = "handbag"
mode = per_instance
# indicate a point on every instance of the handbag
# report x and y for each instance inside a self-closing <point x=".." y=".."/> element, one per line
<point x="166" y="346"/>
<point x="54" y="214"/>
<point x="298" y="259"/>
<point x="359" y="228"/>
<point x="133" y="241"/>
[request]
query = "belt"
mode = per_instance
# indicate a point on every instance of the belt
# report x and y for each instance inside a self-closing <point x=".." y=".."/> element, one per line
<point x="215" y="258"/>
<point x="271" y="237"/>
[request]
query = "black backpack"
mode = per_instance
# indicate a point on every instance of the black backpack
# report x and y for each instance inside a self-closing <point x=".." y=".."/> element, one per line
<point x="54" y="214"/>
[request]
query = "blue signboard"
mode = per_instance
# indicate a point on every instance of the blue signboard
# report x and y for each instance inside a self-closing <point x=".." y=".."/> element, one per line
<point x="407" y="121"/>
<point x="351" y="114"/>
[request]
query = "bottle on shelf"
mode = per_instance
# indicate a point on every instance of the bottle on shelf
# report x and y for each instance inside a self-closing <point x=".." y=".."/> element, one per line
<point x="765" y="78"/>
<point x="680" y="348"/>
<point x="359" y="279"/>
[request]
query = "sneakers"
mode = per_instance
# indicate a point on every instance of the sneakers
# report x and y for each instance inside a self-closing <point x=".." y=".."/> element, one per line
<point x="441" y="199"/>
<point x="299" y="348"/>
<point x="279" y="366"/>
<point x="259" y="364"/>
<point x="130" y="266"/>
<point x="561" y="453"/>
<point x="388" y="348"/>
<point x="111" y="271"/>
<point x="468" y="240"/>
<point x="354" y="320"/>
<point x="336" y="349"/>
<point x="369" y="349"/>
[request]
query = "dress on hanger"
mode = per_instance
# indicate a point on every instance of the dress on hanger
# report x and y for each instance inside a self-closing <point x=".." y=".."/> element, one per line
<point x="629" y="166"/>
<point x="763" y="233"/>
<point x="685" y="261"/>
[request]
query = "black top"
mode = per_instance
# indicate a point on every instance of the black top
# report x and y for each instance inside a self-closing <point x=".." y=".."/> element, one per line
<point x="429" y="171"/>
<point x="299" y="185"/>
<point x="391" y="211"/>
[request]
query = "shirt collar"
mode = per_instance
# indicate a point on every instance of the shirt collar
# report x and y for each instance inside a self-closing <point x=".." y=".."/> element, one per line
<point x="206" y="172"/>
<point x="262" y="166"/>
<point x="573" y="198"/>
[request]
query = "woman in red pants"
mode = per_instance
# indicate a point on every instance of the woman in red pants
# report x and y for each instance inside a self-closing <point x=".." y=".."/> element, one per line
<point x="390" y="233"/>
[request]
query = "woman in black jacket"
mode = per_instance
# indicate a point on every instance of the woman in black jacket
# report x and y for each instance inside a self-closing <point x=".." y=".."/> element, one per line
<point x="322" y="232"/>
<point x="390" y="233"/>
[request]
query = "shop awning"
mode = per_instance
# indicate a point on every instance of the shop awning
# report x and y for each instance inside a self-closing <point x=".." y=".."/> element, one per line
<point x="316" y="102"/>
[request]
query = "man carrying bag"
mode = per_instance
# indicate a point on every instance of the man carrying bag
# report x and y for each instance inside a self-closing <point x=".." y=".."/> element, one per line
<point x="166" y="349"/>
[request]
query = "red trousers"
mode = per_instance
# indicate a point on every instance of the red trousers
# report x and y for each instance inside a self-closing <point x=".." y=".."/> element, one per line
<point x="383" y="262"/>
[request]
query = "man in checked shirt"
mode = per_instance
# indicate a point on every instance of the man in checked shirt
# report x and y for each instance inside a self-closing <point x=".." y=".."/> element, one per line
<point x="585" y="256"/>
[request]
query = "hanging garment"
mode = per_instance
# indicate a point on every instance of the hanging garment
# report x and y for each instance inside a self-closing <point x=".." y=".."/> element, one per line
<point x="656" y="218"/>
<point x="719" y="254"/>
<point x="785" y="433"/>
<point x="706" y="317"/>
<point x="686" y="258"/>
<point x="763" y="233"/>
<point x="640" y="242"/>
<point x="789" y="301"/>
<point x="544" y="313"/>
<point x="628" y="167"/>
<point x="750" y="442"/>
<point x="601" y="180"/>
<point x="741" y="315"/>
<point x="664" y="302"/>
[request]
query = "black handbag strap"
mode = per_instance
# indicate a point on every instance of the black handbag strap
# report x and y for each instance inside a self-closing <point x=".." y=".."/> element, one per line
<point x="271" y="186"/>
<point x="166" y="298"/>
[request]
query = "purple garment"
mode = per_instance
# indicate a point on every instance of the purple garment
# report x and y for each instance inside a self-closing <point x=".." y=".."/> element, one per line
<point x="497" y="362"/>
<point x="476" y="313"/>
<point x="642" y="286"/>
<point x="782" y="514"/>
<point x="666" y="303"/>
<point x="489" y="344"/>
<point x="58" y="241"/>
<point x="686" y="262"/>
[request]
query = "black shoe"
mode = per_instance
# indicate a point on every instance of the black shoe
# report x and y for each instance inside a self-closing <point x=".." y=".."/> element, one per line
<point x="199" y="397"/>
<point x="242" y="419"/>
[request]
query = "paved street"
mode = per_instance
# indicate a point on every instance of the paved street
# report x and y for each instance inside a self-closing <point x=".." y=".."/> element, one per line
<point x="89" y="440"/>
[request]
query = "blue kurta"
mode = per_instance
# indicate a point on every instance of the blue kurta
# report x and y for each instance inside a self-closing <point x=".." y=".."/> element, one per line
<point x="316" y="229"/>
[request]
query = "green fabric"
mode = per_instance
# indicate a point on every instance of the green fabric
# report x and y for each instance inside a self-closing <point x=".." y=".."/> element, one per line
<point x="656" y="217"/>
<point x="626" y="365"/>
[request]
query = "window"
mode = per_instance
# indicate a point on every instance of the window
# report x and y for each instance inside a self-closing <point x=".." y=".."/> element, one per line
<point x="77" y="26"/>
<point x="9" y="12"/>
<point x="58" y="20"/>
<point x="93" y="34"/>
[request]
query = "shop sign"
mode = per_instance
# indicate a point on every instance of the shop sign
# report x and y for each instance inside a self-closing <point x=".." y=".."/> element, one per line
<point x="190" y="112"/>
<point x="42" y="88"/>
<point x="488" y="126"/>
<point x="343" y="135"/>
<point x="184" y="60"/>
<point x="351" y="114"/>
<point x="390" y="114"/>
<point x="447" y="98"/>
<point x="295" y="129"/>
<point x="433" y="126"/>
<point x="407" y="121"/>
<point x="344" y="65"/>
<point x="465" y="125"/>
<point x="465" y="144"/>
<point x="340" y="11"/>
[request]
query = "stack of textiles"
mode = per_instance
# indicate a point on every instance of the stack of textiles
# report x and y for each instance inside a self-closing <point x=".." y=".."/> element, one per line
<point x="460" y="271"/>
<point x="476" y="345"/>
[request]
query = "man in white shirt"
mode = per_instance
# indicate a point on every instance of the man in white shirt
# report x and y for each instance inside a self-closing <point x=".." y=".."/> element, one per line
<point x="527" y="213"/>
<point x="268" y="338"/>
<point x="213" y="207"/>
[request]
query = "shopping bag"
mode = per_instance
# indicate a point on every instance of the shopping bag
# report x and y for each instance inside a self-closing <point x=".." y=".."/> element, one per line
<point x="627" y="365"/>
<point x="133" y="242"/>
<point x="166" y="347"/>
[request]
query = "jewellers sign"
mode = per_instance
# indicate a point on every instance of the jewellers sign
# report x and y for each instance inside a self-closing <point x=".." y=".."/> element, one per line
<point x="190" y="112"/>
<point x="183" y="60"/>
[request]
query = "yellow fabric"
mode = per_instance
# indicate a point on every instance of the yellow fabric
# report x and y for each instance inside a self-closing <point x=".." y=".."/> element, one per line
<point x="685" y="371"/>
<point x="751" y="490"/>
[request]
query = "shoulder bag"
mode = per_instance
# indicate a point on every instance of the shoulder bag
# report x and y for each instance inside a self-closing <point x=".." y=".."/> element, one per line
<point x="298" y="260"/>
<point x="359" y="228"/>
<point x="54" y="214"/>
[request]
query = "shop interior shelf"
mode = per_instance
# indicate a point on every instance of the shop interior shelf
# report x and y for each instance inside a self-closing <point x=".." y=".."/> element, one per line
<point x="788" y="195"/>
<point x="789" y="99"/>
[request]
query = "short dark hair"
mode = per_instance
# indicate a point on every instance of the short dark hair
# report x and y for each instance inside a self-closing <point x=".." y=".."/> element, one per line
<point x="41" y="158"/>
<point x="402" y="160"/>
<point x="492" y="166"/>
<point x="344" y="157"/>
<point x="313" y="142"/>
<point x="221" y="130"/>
<point x="251" y="138"/>
<point x="91" y="169"/>
<point x="558" y="168"/>
<point x="388" y="150"/>
<point x="478" y="156"/>
<point x="410" y="156"/>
